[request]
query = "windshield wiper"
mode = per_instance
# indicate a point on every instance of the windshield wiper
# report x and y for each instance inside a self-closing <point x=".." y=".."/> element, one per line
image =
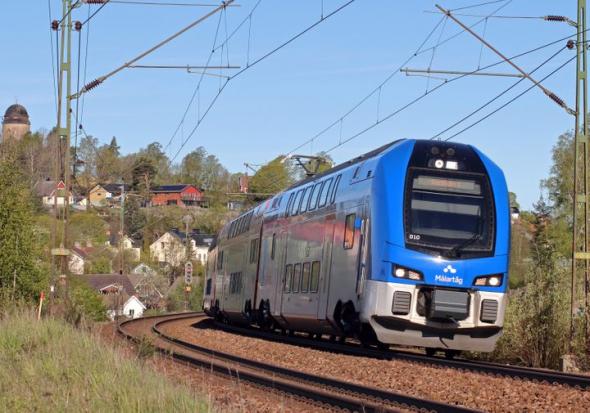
<point x="454" y="252"/>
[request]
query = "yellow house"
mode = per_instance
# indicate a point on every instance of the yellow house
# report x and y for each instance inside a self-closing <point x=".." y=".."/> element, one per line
<point x="98" y="196"/>
<point x="103" y="194"/>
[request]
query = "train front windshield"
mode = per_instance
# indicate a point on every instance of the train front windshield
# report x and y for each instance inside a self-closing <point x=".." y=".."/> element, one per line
<point x="449" y="214"/>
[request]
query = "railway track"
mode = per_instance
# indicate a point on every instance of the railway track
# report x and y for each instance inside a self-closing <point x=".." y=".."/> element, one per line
<point x="321" y="390"/>
<point x="525" y="373"/>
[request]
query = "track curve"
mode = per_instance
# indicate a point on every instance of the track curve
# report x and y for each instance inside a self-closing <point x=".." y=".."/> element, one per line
<point x="322" y="390"/>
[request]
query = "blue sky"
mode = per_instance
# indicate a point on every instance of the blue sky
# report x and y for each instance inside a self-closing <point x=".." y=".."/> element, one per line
<point x="298" y="91"/>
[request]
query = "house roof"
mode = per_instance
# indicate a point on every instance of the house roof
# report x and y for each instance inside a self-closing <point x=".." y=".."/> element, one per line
<point x="201" y="240"/>
<point x="116" y="188"/>
<point x="83" y="251"/>
<point x="101" y="281"/>
<point x="134" y="298"/>
<point x="171" y="188"/>
<point x="46" y="188"/>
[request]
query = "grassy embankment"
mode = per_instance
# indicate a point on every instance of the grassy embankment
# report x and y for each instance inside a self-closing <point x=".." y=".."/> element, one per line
<point x="50" y="366"/>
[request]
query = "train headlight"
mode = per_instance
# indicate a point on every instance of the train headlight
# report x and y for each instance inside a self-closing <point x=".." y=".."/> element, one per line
<point x="402" y="272"/>
<point x="489" y="281"/>
<point x="439" y="163"/>
<point x="452" y="165"/>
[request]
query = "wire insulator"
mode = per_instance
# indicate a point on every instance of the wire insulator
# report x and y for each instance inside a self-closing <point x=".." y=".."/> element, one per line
<point x="570" y="44"/>
<point x="556" y="99"/>
<point x="96" y="1"/>
<point x="78" y="26"/>
<point x="552" y="18"/>
<point x="92" y="85"/>
<point x="55" y="25"/>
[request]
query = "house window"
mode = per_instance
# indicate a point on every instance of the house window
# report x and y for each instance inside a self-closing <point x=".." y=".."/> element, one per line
<point x="162" y="245"/>
<point x="288" y="278"/>
<point x="349" y="231"/>
<point x="315" y="277"/>
<point x="172" y="202"/>
<point x="305" y="277"/>
<point x="131" y="312"/>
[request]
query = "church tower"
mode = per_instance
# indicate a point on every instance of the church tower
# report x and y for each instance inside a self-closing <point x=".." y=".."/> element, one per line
<point x="15" y="123"/>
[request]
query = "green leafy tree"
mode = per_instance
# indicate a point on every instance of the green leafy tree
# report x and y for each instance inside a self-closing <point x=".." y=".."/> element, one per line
<point x="19" y="270"/>
<point x="271" y="178"/>
<point x="144" y="172"/>
<point x="87" y="226"/>
<point x="536" y="321"/>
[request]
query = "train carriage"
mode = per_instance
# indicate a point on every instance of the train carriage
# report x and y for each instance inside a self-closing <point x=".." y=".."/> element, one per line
<point x="407" y="244"/>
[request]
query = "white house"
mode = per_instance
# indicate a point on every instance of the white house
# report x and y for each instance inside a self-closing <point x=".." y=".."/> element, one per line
<point x="128" y="245"/>
<point x="133" y="308"/>
<point x="77" y="261"/>
<point x="53" y="193"/>
<point x="170" y="248"/>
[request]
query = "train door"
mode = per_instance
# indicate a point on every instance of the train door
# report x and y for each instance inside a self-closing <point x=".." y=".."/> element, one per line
<point x="347" y="251"/>
<point x="326" y="265"/>
<point x="279" y="280"/>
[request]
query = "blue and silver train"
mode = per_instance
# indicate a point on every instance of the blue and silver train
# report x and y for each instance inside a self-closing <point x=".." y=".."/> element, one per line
<point x="407" y="244"/>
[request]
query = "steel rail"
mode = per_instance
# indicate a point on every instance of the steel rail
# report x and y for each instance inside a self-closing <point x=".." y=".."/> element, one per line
<point x="319" y="389"/>
<point x="527" y="373"/>
<point x="367" y="398"/>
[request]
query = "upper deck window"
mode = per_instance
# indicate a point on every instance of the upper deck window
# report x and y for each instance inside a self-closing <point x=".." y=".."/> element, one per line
<point x="325" y="193"/>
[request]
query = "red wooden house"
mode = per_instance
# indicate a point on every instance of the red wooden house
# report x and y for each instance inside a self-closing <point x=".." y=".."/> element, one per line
<point x="182" y="195"/>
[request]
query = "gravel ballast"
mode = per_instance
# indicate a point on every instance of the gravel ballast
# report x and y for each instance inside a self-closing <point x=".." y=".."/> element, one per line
<point x="469" y="389"/>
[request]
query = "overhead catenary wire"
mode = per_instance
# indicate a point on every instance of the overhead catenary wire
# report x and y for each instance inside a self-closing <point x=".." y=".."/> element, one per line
<point x="420" y="50"/>
<point x="419" y="98"/>
<point x="53" y="73"/>
<point x="510" y="101"/>
<point x="196" y="92"/>
<point x="96" y="12"/>
<point x="489" y="102"/>
<point x="101" y="79"/>
<point x="254" y="63"/>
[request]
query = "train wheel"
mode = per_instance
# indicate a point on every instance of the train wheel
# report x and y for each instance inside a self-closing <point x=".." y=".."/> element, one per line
<point x="451" y="354"/>
<point x="430" y="352"/>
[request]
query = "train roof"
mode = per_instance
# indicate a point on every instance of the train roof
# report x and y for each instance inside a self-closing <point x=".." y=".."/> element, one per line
<point x="346" y="164"/>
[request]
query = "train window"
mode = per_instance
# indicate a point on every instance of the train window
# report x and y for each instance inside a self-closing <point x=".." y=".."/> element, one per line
<point x="289" y="204"/>
<point x="220" y="260"/>
<point x="325" y="193"/>
<point x="254" y="250"/>
<point x="296" y="202"/>
<point x="315" y="194"/>
<point x="335" y="189"/>
<point x="369" y="173"/>
<point x="209" y="283"/>
<point x="356" y="172"/>
<point x="272" y="247"/>
<point x="305" y="199"/>
<point x="349" y="231"/>
<point x="296" y="278"/>
<point x="315" y="277"/>
<point x="305" y="277"/>
<point x="288" y="278"/>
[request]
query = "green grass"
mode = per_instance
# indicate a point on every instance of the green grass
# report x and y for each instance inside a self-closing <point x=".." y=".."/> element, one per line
<point x="49" y="366"/>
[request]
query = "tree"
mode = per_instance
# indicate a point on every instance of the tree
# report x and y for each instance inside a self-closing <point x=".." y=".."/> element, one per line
<point x="87" y="153"/>
<point x="271" y="178"/>
<point x="154" y="153"/>
<point x="536" y="322"/>
<point x="19" y="270"/>
<point x="560" y="185"/>
<point x="143" y="172"/>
